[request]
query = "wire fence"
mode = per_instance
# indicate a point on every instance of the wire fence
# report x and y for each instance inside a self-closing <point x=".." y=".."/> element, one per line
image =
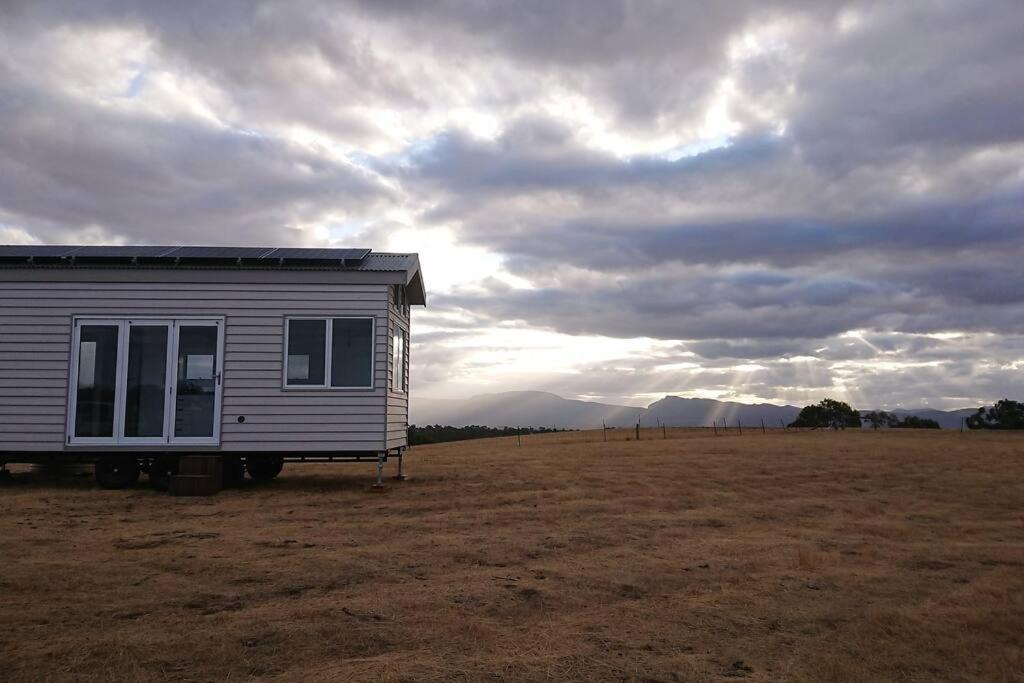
<point x="662" y="432"/>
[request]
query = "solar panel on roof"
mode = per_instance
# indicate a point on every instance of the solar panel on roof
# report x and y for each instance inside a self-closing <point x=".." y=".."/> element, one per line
<point x="152" y="255"/>
<point x="319" y="254"/>
<point x="146" y="251"/>
<point x="219" y="252"/>
<point x="27" y="250"/>
<point x="122" y="252"/>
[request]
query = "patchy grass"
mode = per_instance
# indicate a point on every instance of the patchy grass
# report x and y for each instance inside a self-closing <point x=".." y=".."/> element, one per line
<point x="851" y="556"/>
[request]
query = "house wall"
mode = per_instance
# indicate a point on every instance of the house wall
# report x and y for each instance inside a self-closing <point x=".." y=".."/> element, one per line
<point x="35" y="338"/>
<point x="398" y="401"/>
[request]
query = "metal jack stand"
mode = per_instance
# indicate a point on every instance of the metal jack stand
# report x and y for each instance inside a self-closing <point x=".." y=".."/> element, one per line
<point x="399" y="476"/>
<point x="379" y="484"/>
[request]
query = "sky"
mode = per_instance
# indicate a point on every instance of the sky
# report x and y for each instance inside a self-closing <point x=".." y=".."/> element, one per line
<point x="616" y="201"/>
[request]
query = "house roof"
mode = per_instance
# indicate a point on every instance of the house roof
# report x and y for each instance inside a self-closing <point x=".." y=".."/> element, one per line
<point x="218" y="257"/>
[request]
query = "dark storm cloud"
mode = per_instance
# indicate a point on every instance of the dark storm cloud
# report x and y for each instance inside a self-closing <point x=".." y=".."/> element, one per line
<point x="536" y="154"/>
<point x="991" y="223"/>
<point x="941" y="74"/>
<point x="702" y="303"/>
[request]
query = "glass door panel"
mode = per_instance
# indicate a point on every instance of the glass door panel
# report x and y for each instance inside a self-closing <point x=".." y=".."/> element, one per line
<point x="197" y="383"/>
<point x="96" y="384"/>
<point x="146" y="381"/>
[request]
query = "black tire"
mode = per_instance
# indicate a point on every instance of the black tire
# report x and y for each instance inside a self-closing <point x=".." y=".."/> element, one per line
<point x="161" y="470"/>
<point x="117" y="472"/>
<point x="234" y="472"/>
<point x="264" y="468"/>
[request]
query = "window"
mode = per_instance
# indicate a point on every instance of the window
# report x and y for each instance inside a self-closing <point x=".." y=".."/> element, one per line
<point x="400" y="299"/>
<point x="352" y="352"/>
<point x="329" y="353"/>
<point x="307" y="352"/>
<point x="399" y="354"/>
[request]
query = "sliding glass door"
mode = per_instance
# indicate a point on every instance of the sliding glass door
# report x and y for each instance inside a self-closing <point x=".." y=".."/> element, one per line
<point x="146" y="382"/>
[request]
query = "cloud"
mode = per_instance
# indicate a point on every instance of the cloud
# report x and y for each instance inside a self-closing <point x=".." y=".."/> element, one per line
<point x="747" y="200"/>
<point x="71" y="164"/>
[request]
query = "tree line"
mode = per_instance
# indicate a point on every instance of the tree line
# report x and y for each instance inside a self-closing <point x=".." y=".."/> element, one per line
<point x="444" y="433"/>
<point x="832" y="414"/>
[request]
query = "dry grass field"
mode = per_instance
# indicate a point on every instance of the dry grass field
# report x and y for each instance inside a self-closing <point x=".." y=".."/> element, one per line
<point x="851" y="556"/>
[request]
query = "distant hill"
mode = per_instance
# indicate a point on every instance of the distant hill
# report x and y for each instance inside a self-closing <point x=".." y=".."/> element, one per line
<point x="700" y="412"/>
<point x="522" y="408"/>
<point x="543" y="409"/>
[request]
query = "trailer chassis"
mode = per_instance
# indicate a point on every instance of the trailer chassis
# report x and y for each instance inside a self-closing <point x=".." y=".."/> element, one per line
<point x="261" y="466"/>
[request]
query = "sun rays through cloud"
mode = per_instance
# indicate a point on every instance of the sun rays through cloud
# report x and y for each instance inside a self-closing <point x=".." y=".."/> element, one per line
<point x="751" y="202"/>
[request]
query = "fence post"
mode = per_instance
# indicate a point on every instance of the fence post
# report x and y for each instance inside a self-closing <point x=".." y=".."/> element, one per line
<point x="638" y="430"/>
<point x="604" y="431"/>
<point x="738" y="424"/>
<point x="763" y="431"/>
<point x="664" y="432"/>
<point x="519" y="435"/>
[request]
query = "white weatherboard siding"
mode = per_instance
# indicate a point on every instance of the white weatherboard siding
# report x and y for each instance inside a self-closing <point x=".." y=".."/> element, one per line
<point x="398" y="401"/>
<point x="35" y="337"/>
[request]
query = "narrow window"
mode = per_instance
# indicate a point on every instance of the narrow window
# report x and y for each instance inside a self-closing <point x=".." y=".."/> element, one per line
<point x="352" y="352"/>
<point x="399" y="354"/>
<point x="401" y="299"/>
<point x="307" y="353"/>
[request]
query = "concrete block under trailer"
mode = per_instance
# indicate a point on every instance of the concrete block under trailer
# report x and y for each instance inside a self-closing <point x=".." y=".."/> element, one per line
<point x="129" y="357"/>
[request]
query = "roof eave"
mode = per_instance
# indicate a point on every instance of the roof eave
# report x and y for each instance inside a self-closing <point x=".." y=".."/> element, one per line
<point x="414" y="288"/>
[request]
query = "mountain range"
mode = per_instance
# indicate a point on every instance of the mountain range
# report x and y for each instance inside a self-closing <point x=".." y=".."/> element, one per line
<point x="543" y="409"/>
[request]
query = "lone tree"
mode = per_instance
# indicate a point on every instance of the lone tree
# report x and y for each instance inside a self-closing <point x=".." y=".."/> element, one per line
<point x="1005" y="414"/>
<point x="828" y="413"/>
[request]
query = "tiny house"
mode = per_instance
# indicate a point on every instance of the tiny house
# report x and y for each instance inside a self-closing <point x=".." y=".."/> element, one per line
<point x="129" y="357"/>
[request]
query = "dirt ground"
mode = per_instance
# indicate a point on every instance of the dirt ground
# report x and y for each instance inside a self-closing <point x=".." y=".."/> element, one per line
<point x="853" y="556"/>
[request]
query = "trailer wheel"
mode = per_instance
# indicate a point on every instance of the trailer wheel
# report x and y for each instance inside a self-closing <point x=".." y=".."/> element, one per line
<point x="234" y="471"/>
<point x="161" y="470"/>
<point x="117" y="473"/>
<point x="264" y="469"/>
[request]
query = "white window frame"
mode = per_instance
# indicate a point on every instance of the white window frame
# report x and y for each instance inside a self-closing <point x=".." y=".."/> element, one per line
<point x="170" y="382"/>
<point x="398" y="365"/>
<point x="76" y="343"/>
<point x="218" y="378"/>
<point x="124" y="325"/>
<point x="328" y="356"/>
